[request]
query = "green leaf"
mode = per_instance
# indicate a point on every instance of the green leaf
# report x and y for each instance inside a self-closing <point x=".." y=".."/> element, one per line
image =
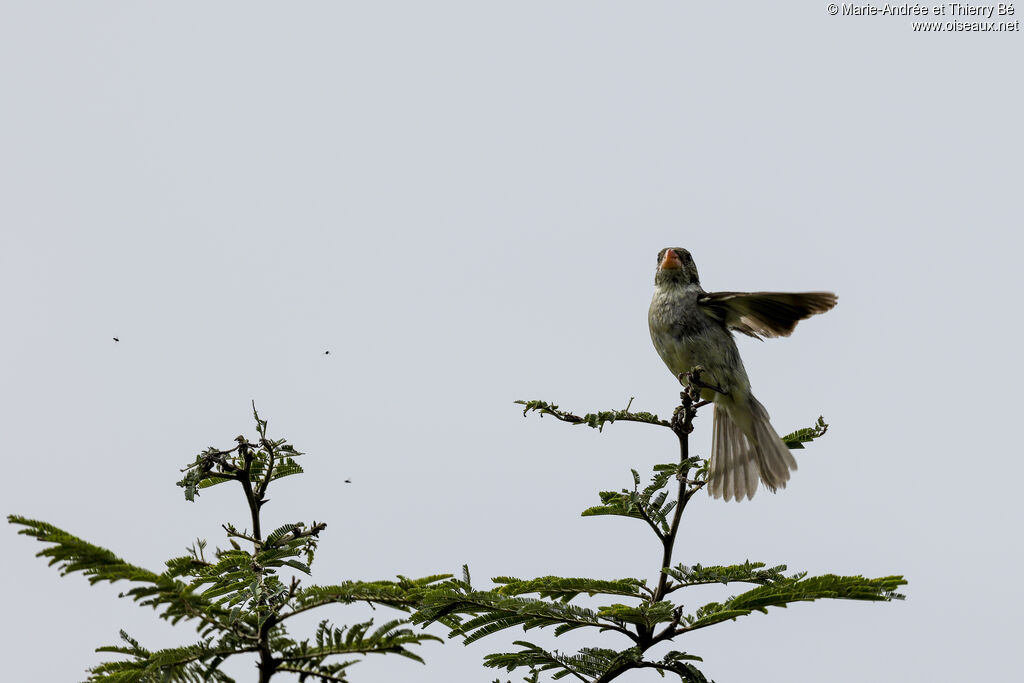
<point x="401" y="594"/>
<point x="645" y="614"/>
<point x="159" y="591"/>
<point x="189" y="664"/>
<point x="780" y="594"/>
<point x="391" y="637"/>
<point x="590" y="663"/>
<point x="492" y="611"/>
<point x="798" y="438"/>
<point x="748" y="572"/>
<point x="565" y="589"/>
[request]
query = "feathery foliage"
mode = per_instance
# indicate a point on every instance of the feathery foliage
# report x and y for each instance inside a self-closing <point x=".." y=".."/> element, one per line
<point x="240" y="597"/>
<point x="798" y="438"/>
<point x="642" y="613"/>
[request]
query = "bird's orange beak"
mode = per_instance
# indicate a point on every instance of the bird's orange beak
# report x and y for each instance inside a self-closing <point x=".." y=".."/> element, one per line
<point x="670" y="260"/>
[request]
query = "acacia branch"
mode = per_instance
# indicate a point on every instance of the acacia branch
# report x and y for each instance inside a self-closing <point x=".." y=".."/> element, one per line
<point x="682" y="426"/>
<point x="650" y="522"/>
<point x="266" y="475"/>
<point x="596" y="420"/>
<point x="238" y="534"/>
<point x="319" y="675"/>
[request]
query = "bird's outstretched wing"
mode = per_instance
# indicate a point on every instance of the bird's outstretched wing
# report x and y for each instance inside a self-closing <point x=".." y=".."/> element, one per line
<point x="765" y="314"/>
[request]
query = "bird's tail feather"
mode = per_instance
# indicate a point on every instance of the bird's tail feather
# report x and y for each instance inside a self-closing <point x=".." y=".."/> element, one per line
<point x="740" y="457"/>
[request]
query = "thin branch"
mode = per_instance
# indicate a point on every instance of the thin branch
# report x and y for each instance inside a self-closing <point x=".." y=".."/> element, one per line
<point x="612" y="674"/>
<point x="219" y="458"/>
<point x="618" y="629"/>
<point x="710" y="582"/>
<point x="326" y="652"/>
<point x="654" y="527"/>
<point x="224" y="475"/>
<point x="295" y="534"/>
<point x="682" y="425"/>
<point x="237" y="534"/>
<point x="670" y="630"/>
<point x="268" y="663"/>
<point x="596" y="420"/>
<point x="623" y="668"/>
<point x="269" y="447"/>
<point x="320" y="676"/>
<point x="669" y="540"/>
<point x="244" y="478"/>
<point x="578" y="675"/>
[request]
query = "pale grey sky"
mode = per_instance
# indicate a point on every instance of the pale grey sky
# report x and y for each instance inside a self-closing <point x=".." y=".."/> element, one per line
<point x="462" y="201"/>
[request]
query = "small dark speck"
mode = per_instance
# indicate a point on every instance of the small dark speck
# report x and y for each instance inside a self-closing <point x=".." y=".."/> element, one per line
<point x="348" y="481"/>
<point x="116" y="339"/>
<point x="327" y="353"/>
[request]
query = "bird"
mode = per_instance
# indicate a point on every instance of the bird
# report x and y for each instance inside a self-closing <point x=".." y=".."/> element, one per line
<point x="116" y="339"/>
<point x="690" y="328"/>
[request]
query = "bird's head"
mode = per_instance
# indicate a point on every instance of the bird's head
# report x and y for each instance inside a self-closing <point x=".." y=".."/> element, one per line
<point x="676" y="266"/>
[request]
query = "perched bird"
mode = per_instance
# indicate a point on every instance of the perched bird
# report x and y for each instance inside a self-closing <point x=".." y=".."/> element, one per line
<point x="691" y="327"/>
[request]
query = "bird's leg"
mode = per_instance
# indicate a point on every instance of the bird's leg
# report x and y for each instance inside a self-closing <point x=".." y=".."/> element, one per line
<point x="693" y="379"/>
<point x="691" y="400"/>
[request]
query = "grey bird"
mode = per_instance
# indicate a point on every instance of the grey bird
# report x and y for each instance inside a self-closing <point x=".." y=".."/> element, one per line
<point x="691" y="327"/>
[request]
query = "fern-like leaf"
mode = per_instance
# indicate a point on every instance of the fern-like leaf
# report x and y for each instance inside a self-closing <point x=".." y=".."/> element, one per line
<point x="490" y="612"/>
<point x="392" y="637"/>
<point x="159" y="591"/>
<point x="401" y="594"/>
<point x="804" y="590"/>
<point x="588" y="664"/>
<point x="565" y="589"/>
<point x="646" y="614"/>
<point x="797" y="439"/>
<point x="190" y="664"/>
<point x="748" y="572"/>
